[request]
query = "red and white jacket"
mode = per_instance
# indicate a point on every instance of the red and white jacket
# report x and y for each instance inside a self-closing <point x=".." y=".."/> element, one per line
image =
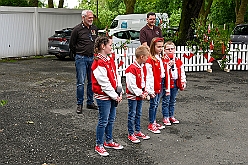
<point x="179" y="70"/>
<point x="135" y="81"/>
<point x="104" y="78"/>
<point x="153" y="77"/>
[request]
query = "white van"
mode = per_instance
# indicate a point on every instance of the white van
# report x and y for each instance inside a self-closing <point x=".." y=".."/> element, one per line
<point x="127" y="27"/>
<point x="136" y="21"/>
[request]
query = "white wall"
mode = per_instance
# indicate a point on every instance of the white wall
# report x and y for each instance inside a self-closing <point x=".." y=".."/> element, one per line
<point x="25" y="30"/>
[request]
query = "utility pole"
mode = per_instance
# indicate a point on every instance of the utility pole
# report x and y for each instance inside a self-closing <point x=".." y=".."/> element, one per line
<point x="96" y="8"/>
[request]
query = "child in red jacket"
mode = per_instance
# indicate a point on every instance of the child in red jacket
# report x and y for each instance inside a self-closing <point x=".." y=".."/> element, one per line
<point x="177" y="81"/>
<point x="136" y="92"/>
<point x="104" y="84"/>
<point x="156" y="81"/>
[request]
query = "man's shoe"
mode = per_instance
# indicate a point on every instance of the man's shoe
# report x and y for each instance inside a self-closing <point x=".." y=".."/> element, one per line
<point x="113" y="145"/>
<point x="166" y="121"/>
<point x="92" y="106"/>
<point x="79" y="109"/>
<point x="101" y="151"/>
<point x="152" y="127"/>
<point x="174" y="120"/>
<point x="141" y="135"/>
<point x="133" y="138"/>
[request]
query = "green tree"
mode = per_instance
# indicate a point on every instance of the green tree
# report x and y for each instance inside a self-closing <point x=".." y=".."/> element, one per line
<point x="20" y="3"/>
<point x="34" y="3"/>
<point x="205" y="10"/>
<point x="61" y="4"/>
<point x="190" y="11"/>
<point x="129" y="6"/>
<point x="50" y="4"/>
<point x="168" y="6"/>
<point x="240" y="10"/>
<point x="105" y="16"/>
<point x="115" y="6"/>
<point x="222" y="12"/>
<point x="145" y="6"/>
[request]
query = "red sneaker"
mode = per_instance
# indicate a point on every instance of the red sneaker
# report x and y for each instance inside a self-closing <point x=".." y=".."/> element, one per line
<point x="153" y="128"/>
<point x="166" y="121"/>
<point x="113" y="145"/>
<point x="141" y="135"/>
<point x="174" y="120"/>
<point x="133" y="138"/>
<point x="101" y="151"/>
<point x="159" y="126"/>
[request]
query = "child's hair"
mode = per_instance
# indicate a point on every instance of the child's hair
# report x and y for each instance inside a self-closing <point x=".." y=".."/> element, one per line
<point x="142" y="50"/>
<point x="99" y="41"/>
<point x="152" y="46"/>
<point x="169" y="43"/>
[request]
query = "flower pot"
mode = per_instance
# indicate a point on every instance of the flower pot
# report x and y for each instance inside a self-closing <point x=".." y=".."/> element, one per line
<point x="217" y="54"/>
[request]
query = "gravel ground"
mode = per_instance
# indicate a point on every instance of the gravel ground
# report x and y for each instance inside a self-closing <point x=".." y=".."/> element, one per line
<point x="39" y="125"/>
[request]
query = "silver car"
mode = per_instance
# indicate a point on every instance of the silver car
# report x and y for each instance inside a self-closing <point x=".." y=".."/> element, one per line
<point x="240" y="34"/>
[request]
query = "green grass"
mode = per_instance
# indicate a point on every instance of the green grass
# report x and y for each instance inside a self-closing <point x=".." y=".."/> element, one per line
<point x="3" y="102"/>
<point x="15" y="59"/>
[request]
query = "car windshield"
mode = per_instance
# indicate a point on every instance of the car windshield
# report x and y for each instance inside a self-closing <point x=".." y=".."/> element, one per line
<point x="241" y="30"/>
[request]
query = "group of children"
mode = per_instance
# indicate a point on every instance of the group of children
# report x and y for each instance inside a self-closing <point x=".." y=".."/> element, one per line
<point x="155" y="75"/>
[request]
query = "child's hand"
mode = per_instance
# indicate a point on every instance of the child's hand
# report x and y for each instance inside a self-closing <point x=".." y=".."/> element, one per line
<point x="184" y="86"/>
<point x="171" y="62"/>
<point x="167" y="93"/>
<point x="119" y="99"/>
<point x="152" y="95"/>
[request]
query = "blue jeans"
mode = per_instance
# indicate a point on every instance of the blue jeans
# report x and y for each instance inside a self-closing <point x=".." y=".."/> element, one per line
<point x="172" y="101"/>
<point x="106" y="118"/>
<point x="154" y="103"/>
<point x="134" y="114"/>
<point x="165" y="101"/>
<point x="83" y="69"/>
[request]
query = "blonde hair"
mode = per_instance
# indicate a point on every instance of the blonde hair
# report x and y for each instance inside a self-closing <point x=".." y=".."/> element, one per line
<point x="169" y="43"/>
<point x="142" y="50"/>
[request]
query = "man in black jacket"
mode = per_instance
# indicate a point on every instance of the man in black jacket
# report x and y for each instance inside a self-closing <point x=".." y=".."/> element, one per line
<point x="82" y="44"/>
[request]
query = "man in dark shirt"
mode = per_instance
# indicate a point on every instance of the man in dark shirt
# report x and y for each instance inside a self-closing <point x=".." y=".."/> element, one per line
<point x="148" y="32"/>
<point x="82" y="44"/>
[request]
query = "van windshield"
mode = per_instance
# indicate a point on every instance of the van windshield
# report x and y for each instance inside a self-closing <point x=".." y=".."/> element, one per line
<point x="114" y="24"/>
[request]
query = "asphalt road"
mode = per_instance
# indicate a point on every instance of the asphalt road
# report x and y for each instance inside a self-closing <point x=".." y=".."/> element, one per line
<point x="38" y="125"/>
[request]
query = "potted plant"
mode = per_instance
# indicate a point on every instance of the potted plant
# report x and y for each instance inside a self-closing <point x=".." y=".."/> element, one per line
<point x="213" y="40"/>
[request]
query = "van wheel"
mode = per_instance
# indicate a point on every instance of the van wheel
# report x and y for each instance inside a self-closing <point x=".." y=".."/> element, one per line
<point x="72" y="56"/>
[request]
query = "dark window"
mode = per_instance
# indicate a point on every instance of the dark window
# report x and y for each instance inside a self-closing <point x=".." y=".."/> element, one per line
<point x="134" y="35"/>
<point x="241" y="30"/>
<point x="114" y="24"/>
<point x="122" y="35"/>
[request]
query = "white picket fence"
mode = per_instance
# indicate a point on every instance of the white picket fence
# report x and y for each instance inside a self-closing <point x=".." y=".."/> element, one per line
<point x="198" y="62"/>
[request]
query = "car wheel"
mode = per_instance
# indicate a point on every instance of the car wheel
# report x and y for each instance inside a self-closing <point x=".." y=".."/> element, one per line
<point x="72" y="56"/>
<point x="60" y="57"/>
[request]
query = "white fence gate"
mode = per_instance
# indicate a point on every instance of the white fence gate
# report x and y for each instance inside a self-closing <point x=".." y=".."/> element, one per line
<point x="192" y="62"/>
